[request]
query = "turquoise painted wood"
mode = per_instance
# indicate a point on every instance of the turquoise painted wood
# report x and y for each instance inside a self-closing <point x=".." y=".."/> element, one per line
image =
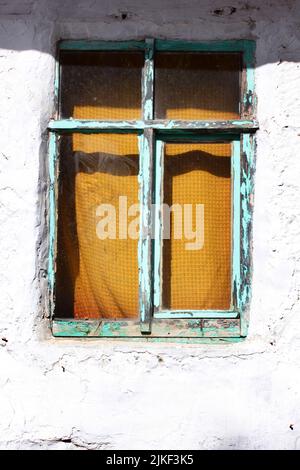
<point x="57" y="85"/>
<point x="245" y="46"/>
<point x="156" y="324"/>
<point x="168" y="314"/>
<point x="145" y="240"/>
<point x="158" y="224"/>
<point x="86" y="45"/>
<point x="247" y="198"/>
<point x="236" y="223"/>
<point x="52" y="218"/>
<point x="159" y="312"/>
<point x="169" y="328"/>
<point x="159" y="125"/>
<point x="148" y="81"/>
<point x="248" y="102"/>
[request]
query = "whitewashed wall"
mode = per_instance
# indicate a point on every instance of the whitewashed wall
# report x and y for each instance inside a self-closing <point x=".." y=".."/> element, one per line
<point x="103" y="395"/>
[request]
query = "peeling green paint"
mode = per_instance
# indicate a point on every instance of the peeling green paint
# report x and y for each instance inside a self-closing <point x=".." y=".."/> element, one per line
<point x="148" y="81"/>
<point x="249" y="97"/>
<point x="176" y="329"/>
<point x="145" y="241"/>
<point x="159" y="165"/>
<point x="57" y="83"/>
<point x="157" y="255"/>
<point x="247" y="190"/>
<point x="243" y="46"/>
<point x="168" y="314"/>
<point x="63" y="125"/>
<point x="236" y="222"/>
<point x="86" y="45"/>
<point x="52" y="216"/>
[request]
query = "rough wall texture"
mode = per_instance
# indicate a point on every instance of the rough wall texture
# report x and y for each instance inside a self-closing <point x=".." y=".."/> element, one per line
<point x="103" y="395"/>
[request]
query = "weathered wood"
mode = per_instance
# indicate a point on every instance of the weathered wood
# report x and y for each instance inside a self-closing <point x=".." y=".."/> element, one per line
<point x="145" y="240"/>
<point x="236" y="224"/>
<point x="196" y="314"/>
<point x="234" y="311"/>
<point x="234" y="126"/>
<point x="248" y="96"/>
<point x="184" y="328"/>
<point x="240" y="45"/>
<point x="158" y="223"/>
<point x="181" y="326"/>
<point x="90" y="45"/>
<point x="148" y="81"/>
<point x="247" y="199"/>
<point x="52" y="215"/>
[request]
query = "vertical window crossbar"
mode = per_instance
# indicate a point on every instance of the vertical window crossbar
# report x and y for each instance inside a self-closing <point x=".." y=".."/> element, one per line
<point x="146" y="147"/>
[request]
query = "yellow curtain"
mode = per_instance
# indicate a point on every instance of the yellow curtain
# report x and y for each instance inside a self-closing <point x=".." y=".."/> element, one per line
<point x="96" y="278"/>
<point x="198" y="279"/>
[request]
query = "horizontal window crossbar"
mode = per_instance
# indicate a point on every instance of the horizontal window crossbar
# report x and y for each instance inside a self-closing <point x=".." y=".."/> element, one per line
<point x="169" y="314"/>
<point x="163" y="125"/>
<point x="240" y="45"/>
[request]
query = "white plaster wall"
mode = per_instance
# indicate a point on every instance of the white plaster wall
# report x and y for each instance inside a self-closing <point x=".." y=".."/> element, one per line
<point x="109" y="394"/>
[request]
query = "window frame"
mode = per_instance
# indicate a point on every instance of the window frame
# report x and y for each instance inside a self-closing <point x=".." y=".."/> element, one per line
<point x="179" y="326"/>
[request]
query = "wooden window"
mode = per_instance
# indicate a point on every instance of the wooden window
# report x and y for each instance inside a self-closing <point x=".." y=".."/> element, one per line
<point x="154" y="129"/>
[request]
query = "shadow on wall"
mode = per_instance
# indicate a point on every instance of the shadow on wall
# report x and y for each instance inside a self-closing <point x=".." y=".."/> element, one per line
<point x="39" y="24"/>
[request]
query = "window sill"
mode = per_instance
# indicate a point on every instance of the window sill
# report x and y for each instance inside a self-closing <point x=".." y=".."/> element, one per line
<point x="176" y="330"/>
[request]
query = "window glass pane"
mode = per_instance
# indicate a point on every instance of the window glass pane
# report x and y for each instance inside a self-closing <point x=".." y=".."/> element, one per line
<point x="197" y="85"/>
<point x="97" y="277"/>
<point x="196" y="261"/>
<point x="101" y="85"/>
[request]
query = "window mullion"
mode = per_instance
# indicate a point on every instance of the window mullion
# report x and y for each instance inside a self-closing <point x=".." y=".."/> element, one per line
<point x="146" y="185"/>
<point x="148" y="81"/>
<point x="53" y="143"/>
<point x="246" y="194"/>
<point x="158" y="224"/>
<point x="236" y="222"/>
<point x="145" y="240"/>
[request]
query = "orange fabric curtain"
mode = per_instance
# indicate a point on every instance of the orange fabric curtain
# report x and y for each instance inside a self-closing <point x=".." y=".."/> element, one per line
<point x="198" y="279"/>
<point x="96" y="278"/>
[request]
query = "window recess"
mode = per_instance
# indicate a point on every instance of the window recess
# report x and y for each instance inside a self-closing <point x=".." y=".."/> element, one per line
<point x="151" y="161"/>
